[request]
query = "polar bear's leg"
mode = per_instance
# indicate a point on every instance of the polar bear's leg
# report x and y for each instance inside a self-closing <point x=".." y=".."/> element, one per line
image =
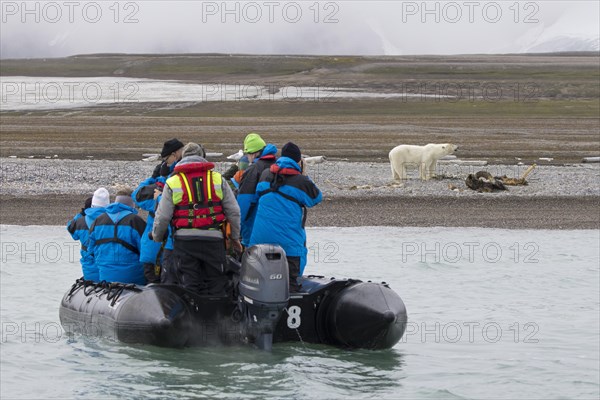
<point x="401" y="169"/>
<point x="429" y="168"/>
<point x="398" y="167"/>
<point x="422" y="171"/>
<point x="432" y="168"/>
<point x="395" y="175"/>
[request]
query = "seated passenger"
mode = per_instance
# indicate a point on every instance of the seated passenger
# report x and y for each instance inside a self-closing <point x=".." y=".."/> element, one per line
<point x="79" y="228"/>
<point x="115" y="240"/>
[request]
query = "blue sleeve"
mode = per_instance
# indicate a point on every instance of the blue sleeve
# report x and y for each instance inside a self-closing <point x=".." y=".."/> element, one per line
<point x="71" y="227"/>
<point x="262" y="186"/>
<point x="246" y="203"/>
<point x="247" y="199"/>
<point x="306" y="192"/>
<point x="247" y="193"/>
<point x="310" y="201"/>
<point x="137" y="238"/>
<point x="91" y="242"/>
<point x="148" y="204"/>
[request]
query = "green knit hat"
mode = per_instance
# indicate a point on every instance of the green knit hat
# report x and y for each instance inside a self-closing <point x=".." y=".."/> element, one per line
<point x="253" y="143"/>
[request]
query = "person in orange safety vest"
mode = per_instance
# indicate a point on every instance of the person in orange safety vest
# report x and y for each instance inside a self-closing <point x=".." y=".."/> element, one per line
<point x="197" y="202"/>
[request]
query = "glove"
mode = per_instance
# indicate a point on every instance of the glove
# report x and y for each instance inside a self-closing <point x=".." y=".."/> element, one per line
<point x="156" y="172"/>
<point x="237" y="246"/>
<point x="230" y="172"/>
<point x="165" y="170"/>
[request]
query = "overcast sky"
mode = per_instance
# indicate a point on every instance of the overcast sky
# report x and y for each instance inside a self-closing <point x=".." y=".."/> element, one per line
<point x="62" y="28"/>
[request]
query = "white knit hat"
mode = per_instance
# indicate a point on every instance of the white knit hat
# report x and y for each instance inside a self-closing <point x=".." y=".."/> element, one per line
<point x="101" y="198"/>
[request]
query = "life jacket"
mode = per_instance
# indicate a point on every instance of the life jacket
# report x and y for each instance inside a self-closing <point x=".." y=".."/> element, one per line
<point x="197" y="196"/>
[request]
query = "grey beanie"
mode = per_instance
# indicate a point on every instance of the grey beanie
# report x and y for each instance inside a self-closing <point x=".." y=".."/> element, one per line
<point x="124" y="196"/>
<point x="127" y="200"/>
<point x="193" y="149"/>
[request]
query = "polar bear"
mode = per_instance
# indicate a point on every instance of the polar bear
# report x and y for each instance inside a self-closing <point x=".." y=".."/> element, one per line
<point x="423" y="157"/>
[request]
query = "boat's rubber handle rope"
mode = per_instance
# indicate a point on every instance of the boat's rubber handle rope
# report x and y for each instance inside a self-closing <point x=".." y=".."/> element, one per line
<point x="113" y="290"/>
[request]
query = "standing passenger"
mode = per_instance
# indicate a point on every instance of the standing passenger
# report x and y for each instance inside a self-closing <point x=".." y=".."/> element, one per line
<point x="260" y="156"/>
<point x="197" y="201"/>
<point x="171" y="154"/>
<point x="235" y="172"/>
<point x="146" y="197"/>
<point x="284" y="194"/>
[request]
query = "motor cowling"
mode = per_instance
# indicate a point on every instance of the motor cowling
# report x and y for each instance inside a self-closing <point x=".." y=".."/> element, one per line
<point x="263" y="291"/>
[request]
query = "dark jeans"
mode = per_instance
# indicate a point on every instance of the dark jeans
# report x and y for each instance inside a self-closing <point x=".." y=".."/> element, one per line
<point x="200" y="266"/>
<point x="164" y="274"/>
<point x="150" y="273"/>
<point x="294" y="268"/>
<point x="167" y="272"/>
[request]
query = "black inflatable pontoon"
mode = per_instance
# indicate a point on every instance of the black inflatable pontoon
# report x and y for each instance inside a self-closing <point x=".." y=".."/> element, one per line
<point x="340" y="312"/>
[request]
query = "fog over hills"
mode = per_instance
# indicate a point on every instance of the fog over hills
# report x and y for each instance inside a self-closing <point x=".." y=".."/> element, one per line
<point x="58" y="29"/>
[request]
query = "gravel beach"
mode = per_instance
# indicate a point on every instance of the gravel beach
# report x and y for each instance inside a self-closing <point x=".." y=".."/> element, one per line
<point x="544" y="110"/>
<point x="355" y="194"/>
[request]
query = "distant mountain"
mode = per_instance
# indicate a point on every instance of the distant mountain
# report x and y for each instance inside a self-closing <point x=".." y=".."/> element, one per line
<point x="565" y="44"/>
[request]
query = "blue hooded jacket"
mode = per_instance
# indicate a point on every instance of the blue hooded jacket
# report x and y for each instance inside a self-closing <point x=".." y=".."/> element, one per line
<point x="79" y="228"/>
<point x="247" y="197"/>
<point x="114" y="242"/>
<point x="143" y="197"/>
<point x="279" y="216"/>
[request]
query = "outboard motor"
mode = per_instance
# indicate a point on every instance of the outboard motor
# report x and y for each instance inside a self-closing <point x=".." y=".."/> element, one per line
<point x="263" y="291"/>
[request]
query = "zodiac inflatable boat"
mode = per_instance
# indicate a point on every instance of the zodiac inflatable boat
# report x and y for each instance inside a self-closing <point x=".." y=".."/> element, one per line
<point x="341" y="312"/>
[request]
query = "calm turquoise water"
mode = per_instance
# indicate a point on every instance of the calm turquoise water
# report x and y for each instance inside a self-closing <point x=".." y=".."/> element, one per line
<point x="493" y="314"/>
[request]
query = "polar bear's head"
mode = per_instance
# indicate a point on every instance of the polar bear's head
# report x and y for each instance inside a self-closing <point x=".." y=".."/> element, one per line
<point x="448" y="148"/>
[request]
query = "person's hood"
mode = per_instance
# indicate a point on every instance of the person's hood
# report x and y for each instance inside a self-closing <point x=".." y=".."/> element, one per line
<point x="286" y="162"/>
<point x="191" y="159"/>
<point x="193" y="163"/>
<point x="116" y="211"/>
<point x="94" y="211"/>
<point x="286" y="166"/>
<point x="270" y="151"/>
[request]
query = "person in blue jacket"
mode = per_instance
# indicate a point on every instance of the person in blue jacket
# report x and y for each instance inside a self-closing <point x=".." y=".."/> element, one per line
<point x="284" y="195"/>
<point x="147" y="197"/>
<point x="260" y="156"/>
<point x="115" y="241"/>
<point x="79" y="228"/>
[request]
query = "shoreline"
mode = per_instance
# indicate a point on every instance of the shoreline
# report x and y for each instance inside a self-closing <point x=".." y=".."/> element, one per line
<point x="553" y="213"/>
<point x="51" y="192"/>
